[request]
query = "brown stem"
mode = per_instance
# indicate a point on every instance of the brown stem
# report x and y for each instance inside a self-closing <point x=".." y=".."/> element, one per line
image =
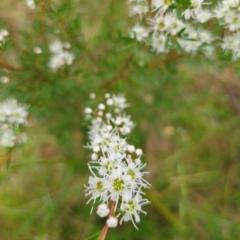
<point x="104" y="233"/>
<point x="9" y="66"/>
<point x="169" y="58"/>
<point x="105" y="228"/>
<point x="121" y="73"/>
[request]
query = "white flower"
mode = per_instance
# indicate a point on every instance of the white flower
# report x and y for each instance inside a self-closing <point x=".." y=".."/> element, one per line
<point x="107" y="164"/>
<point x="18" y="115"/>
<point x="130" y="148"/>
<point x="118" y="185"/>
<point x="118" y="148"/>
<point x="139" y="9"/>
<point x="205" y="36"/>
<point x="13" y="112"/>
<point x="159" y="42"/>
<point x="157" y="24"/>
<point x="103" y="210"/>
<point x="197" y="3"/>
<point x="119" y="101"/>
<point x="139" y="32"/>
<point x="94" y="157"/>
<point x="7" y="136"/>
<point x="103" y="138"/>
<point x="133" y="170"/>
<point x="172" y="24"/>
<point x="161" y="5"/>
<point x="112" y="222"/>
<point x="203" y="16"/>
<point x="232" y="43"/>
<point x="96" y="189"/>
<point x="232" y="21"/>
<point x="132" y="208"/>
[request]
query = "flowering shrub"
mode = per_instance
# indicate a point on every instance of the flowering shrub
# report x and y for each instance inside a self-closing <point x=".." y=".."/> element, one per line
<point x="188" y="25"/>
<point x="116" y="180"/>
<point x="53" y="53"/>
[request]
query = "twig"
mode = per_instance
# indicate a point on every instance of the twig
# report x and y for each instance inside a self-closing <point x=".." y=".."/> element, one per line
<point x="9" y="66"/>
<point x="170" y="57"/>
<point x="121" y="73"/>
<point x="105" y="228"/>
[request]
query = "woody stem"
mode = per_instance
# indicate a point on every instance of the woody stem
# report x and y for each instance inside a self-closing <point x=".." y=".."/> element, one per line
<point x="105" y="228"/>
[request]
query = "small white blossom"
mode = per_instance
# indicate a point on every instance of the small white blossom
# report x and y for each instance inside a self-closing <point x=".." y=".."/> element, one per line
<point x="172" y="24"/>
<point x="131" y="148"/>
<point x="60" y="55"/>
<point x="94" y="157"/>
<point x="112" y="222"/>
<point x="139" y="32"/>
<point x="158" y="43"/>
<point x="139" y="152"/>
<point x="12" y="116"/>
<point x="103" y="210"/>
<point x="7" y="137"/>
<point x="138" y="9"/>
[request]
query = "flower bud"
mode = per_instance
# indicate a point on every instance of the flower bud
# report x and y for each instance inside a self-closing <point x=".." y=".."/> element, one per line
<point x="109" y="102"/>
<point x="112" y="222"/>
<point x="103" y="210"/>
<point x="131" y="148"/>
<point x="94" y="157"/>
<point x="139" y="152"/>
<point x="101" y="106"/>
<point x="96" y="149"/>
<point x="87" y="110"/>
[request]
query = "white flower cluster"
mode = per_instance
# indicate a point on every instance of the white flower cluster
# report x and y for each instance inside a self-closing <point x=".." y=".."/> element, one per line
<point x="13" y="116"/>
<point x="60" y="55"/>
<point x="116" y="180"/>
<point x="173" y="24"/>
<point x="3" y="35"/>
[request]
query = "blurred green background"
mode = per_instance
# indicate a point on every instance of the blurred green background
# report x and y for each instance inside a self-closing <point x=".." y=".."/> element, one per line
<point x="186" y="110"/>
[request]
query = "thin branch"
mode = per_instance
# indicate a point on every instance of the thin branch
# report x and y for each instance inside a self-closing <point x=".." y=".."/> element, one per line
<point x="170" y="57"/>
<point x="121" y="73"/>
<point x="10" y="67"/>
<point x="105" y="228"/>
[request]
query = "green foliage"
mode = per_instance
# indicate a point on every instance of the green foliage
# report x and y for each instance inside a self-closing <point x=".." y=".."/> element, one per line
<point x="186" y="111"/>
